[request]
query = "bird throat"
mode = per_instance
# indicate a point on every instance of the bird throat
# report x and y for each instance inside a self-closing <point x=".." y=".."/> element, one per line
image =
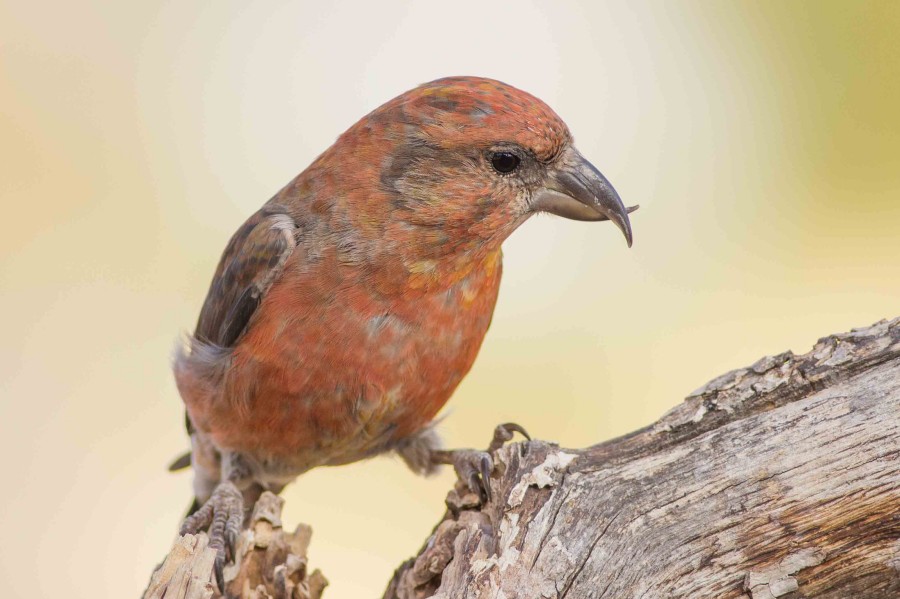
<point x="445" y="272"/>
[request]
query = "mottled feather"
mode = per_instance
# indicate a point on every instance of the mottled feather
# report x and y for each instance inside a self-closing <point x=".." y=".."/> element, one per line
<point x="252" y="261"/>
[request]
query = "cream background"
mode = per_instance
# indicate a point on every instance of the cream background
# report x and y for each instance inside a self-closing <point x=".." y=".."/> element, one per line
<point x="761" y="139"/>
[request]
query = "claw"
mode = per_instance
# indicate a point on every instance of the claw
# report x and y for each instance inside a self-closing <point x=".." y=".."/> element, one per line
<point x="503" y="433"/>
<point x="219" y="570"/>
<point x="512" y="426"/>
<point x="475" y="468"/>
<point x="487" y="466"/>
<point x="476" y="486"/>
<point x="230" y="544"/>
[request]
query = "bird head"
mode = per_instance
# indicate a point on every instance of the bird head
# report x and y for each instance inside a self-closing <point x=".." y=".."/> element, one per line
<point x="452" y="167"/>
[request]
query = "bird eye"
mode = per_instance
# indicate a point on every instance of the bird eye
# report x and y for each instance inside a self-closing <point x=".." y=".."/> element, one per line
<point x="504" y="162"/>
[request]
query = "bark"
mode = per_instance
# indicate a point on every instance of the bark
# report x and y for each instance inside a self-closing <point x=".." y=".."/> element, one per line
<point x="777" y="480"/>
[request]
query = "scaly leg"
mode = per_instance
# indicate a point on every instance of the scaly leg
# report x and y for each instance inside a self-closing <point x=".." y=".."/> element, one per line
<point x="222" y="516"/>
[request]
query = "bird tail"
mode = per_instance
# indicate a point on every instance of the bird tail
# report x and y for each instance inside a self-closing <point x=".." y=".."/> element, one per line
<point x="181" y="462"/>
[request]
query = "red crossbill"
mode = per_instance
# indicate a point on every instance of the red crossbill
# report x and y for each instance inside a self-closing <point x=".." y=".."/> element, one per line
<point x="345" y="311"/>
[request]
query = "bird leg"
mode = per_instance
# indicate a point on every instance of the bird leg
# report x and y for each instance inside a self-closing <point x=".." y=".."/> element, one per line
<point x="222" y="516"/>
<point x="473" y="467"/>
<point x="228" y="480"/>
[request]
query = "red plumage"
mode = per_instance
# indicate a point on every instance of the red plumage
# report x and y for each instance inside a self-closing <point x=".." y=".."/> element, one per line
<point x="345" y="312"/>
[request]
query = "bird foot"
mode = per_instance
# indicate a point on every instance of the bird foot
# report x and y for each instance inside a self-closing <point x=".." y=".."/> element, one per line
<point x="474" y="467"/>
<point x="222" y="516"/>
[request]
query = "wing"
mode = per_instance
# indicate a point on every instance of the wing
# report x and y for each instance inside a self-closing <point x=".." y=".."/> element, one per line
<point x="252" y="261"/>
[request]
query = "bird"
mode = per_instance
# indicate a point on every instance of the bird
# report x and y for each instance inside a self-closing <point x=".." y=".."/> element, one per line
<point x="346" y="310"/>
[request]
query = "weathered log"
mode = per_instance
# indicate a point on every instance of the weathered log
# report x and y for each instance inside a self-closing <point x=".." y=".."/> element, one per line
<point x="777" y="480"/>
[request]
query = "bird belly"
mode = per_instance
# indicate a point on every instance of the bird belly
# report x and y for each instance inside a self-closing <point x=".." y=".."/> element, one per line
<point x="335" y="381"/>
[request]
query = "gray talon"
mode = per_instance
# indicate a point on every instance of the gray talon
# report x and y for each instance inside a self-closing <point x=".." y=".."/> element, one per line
<point x="230" y="544"/>
<point x="503" y="433"/>
<point x="512" y="426"/>
<point x="219" y="570"/>
<point x="487" y="466"/>
<point x="476" y="487"/>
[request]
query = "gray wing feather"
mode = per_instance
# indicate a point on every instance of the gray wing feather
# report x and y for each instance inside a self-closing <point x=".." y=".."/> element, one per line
<point x="251" y="263"/>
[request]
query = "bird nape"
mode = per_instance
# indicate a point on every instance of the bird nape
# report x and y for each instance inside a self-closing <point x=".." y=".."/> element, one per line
<point x="344" y="313"/>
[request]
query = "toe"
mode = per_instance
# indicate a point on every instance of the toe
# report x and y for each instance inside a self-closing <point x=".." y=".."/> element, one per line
<point x="233" y="531"/>
<point x="474" y="468"/>
<point x="199" y="520"/>
<point x="222" y="516"/>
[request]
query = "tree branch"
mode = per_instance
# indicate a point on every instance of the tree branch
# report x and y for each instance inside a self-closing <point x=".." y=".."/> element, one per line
<point x="778" y="478"/>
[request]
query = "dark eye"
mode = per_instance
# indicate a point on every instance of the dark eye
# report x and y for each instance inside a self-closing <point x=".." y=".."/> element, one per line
<point x="504" y="162"/>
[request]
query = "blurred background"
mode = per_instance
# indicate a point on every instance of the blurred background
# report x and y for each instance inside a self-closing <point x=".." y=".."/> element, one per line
<point x="762" y="140"/>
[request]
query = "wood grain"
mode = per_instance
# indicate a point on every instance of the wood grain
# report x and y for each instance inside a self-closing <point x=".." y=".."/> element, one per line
<point x="777" y="480"/>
